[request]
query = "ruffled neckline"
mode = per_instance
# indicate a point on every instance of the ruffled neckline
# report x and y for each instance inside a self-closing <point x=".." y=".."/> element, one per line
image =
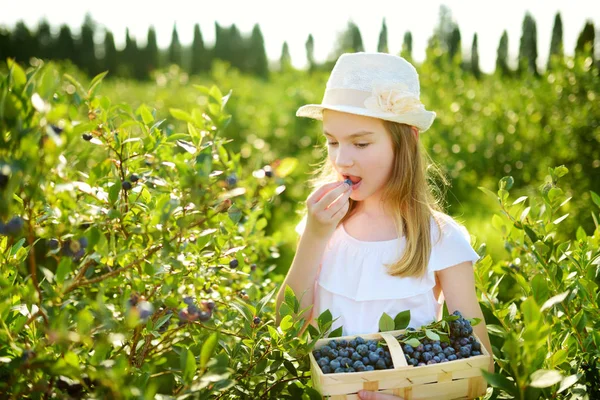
<point x="378" y="243"/>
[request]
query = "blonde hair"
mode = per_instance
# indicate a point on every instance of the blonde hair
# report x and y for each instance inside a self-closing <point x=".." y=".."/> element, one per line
<point x="411" y="198"/>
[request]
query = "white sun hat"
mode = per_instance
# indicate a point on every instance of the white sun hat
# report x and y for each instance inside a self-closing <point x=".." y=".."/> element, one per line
<point x="376" y="85"/>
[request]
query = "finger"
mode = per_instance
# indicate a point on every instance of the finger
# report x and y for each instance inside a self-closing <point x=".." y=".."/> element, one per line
<point x="329" y="199"/>
<point x="322" y="191"/>
<point x="339" y="214"/>
<point x="339" y="203"/>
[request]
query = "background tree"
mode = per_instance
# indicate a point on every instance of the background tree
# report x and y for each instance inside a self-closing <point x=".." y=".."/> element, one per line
<point x="285" y="60"/>
<point x="382" y="45"/>
<point x="528" y="46"/>
<point x="65" y="45"/>
<point x="175" y="51"/>
<point x="151" y="57"/>
<point x="86" y="50"/>
<point x="348" y="41"/>
<point x="407" y="46"/>
<point x="475" y="58"/>
<point x="44" y="40"/>
<point x="454" y="46"/>
<point x="200" y="57"/>
<point x="23" y="43"/>
<point x="111" y="58"/>
<point x="258" y="63"/>
<point x="237" y="56"/>
<point x="502" y="55"/>
<point x="556" y="43"/>
<point x="585" y="41"/>
<point x="310" y="53"/>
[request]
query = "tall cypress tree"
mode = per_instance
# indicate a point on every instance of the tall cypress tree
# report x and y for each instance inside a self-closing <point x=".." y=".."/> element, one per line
<point x="382" y="45"/>
<point x="5" y="45"/>
<point x="175" y="51"/>
<point x="348" y="41"/>
<point x="200" y="58"/>
<point x="237" y="56"/>
<point x="556" y="43"/>
<point x="585" y="41"/>
<point x="110" y="62"/>
<point x="285" y="61"/>
<point x="258" y="64"/>
<point x="502" y="55"/>
<point x="44" y="40"/>
<point x="23" y="43"/>
<point x="475" y="58"/>
<point x="407" y="45"/>
<point x="151" y="58"/>
<point x="86" y="50"/>
<point x="65" y="45"/>
<point x="310" y="53"/>
<point x="528" y="46"/>
<point x="454" y="46"/>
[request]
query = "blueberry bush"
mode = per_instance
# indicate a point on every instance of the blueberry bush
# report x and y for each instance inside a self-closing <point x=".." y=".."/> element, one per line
<point x="545" y="329"/>
<point x="133" y="257"/>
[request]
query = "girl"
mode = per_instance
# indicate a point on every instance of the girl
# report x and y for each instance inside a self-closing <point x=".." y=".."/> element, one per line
<point x="380" y="243"/>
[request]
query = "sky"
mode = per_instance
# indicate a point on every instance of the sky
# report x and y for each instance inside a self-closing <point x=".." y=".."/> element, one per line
<point x="282" y="20"/>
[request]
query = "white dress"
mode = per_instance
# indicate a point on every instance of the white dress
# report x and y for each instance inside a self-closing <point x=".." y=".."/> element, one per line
<point x="354" y="285"/>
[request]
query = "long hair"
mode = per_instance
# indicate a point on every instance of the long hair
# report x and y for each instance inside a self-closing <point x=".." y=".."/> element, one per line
<point x="411" y="198"/>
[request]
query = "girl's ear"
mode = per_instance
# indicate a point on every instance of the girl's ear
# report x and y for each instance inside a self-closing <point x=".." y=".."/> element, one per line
<point x="415" y="131"/>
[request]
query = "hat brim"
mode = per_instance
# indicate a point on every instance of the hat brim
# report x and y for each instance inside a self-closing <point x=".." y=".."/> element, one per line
<point x="422" y="119"/>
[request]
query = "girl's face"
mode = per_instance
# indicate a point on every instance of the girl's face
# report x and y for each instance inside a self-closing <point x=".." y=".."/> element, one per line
<point x="368" y="157"/>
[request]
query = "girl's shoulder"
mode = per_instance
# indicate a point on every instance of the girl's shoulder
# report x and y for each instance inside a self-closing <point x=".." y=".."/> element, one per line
<point x="448" y="229"/>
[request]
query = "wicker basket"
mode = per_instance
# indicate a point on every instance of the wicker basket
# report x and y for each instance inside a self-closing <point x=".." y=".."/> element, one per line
<point x="458" y="379"/>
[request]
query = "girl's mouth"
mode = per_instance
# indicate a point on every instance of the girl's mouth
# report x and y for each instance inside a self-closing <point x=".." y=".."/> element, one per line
<point x="356" y="181"/>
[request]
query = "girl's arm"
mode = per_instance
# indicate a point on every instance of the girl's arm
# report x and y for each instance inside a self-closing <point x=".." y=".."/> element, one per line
<point x="303" y="273"/>
<point x="458" y="286"/>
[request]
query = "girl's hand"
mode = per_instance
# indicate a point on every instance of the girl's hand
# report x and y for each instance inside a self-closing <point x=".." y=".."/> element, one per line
<point x="324" y="211"/>
<point x="366" y="395"/>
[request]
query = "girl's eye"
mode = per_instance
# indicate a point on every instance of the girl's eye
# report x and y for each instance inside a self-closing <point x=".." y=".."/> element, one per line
<point x="359" y="145"/>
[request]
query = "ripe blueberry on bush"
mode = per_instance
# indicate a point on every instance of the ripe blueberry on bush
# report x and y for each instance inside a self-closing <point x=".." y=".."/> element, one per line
<point x="87" y="136"/>
<point x="53" y="244"/>
<point x="12" y="227"/>
<point x="127" y="185"/>
<point x="233" y="263"/>
<point x="253" y="267"/>
<point x="268" y="171"/>
<point x="256" y="320"/>
<point x="134" y="178"/>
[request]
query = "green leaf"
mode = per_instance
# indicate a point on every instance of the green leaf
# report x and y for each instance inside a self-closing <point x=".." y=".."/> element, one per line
<point x="312" y="393"/>
<point x="75" y="83"/>
<point x="543" y="378"/>
<point x="500" y="381"/>
<point x="336" y="333"/>
<point x="64" y="268"/>
<point x="265" y="300"/>
<point x="290" y="367"/>
<point x="17" y="73"/>
<point x="95" y="82"/>
<point x="286" y="167"/>
<point x="187" y="146"/>
<point x="488" y="192"/>
<point x="567" y="383"/>
<point x="554" y="300"/>
<point x="208" y="348"/>
<point x="402" y="320"/>
<point x="145" y="114"/>
<point x="431" y="334"/>
<point x="595" y="198"/>
<point x="560" y="219"/>
<point x="386" y="323"/>
<point x="530" y="311"/>
<point x="113" y="192"/>
<point x="414" y="342"/>
<point x="532" y="235"/>
<point x="17" y="246"/>
<point x="188" y="363"/>
<point x="286" y="323"/>
<point x="242" y="310"/>
<point x="323" y="319"/>
<point x="180" y="115"/>
<point x="519" y="200"/>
